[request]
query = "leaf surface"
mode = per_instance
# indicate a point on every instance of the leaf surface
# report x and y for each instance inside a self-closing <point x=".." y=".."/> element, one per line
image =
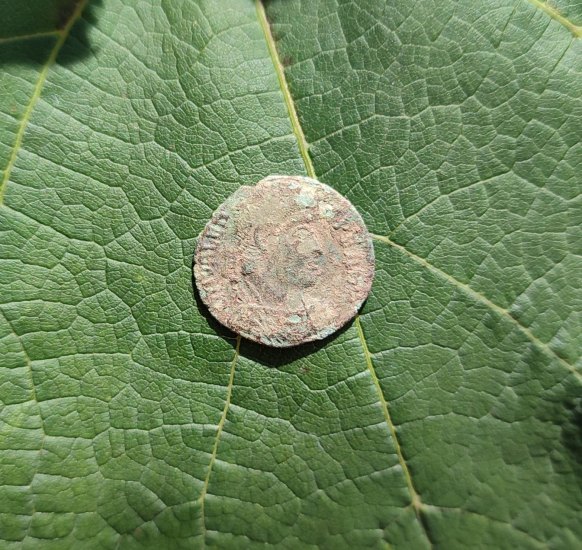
<point x="447" y="415"/>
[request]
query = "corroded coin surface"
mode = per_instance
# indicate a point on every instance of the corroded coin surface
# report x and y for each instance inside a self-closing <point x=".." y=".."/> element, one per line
<point x="284" y="262"/>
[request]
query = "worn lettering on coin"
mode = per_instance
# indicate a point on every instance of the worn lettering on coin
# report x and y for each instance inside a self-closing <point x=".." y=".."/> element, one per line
<point x="284" y="262"/>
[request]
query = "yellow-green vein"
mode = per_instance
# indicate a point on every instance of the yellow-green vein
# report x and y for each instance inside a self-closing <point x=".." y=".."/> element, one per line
<point x="304" y="150"/>
<point x="414" y="497"/>
<point x="546" y="7"/>
<point x="219" y="428"/>
<point x="295" y="124"/>
<point x="18" y="37"/>
<point x="480" y="298"/>
<point x="62" y="36"/>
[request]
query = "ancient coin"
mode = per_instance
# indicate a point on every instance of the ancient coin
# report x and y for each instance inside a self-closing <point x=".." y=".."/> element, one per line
<point x="284" y="262"/>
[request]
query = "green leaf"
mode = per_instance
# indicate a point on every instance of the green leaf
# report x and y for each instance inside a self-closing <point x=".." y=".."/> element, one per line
<point x="447" y="415"/>
<point x="21" y="19"/>
<point x="567" y="12"/>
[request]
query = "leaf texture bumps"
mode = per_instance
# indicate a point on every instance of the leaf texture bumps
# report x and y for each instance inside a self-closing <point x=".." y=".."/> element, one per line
<point x="447" y="416"/>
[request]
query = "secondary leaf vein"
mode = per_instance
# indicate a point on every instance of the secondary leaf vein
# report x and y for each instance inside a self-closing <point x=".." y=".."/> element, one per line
<point x="19" y="37"/>
<point x="484" y="300"/>
<point x="414" y="496"/>
<point x="221" y="422"/>
<point x="63" y="35"/>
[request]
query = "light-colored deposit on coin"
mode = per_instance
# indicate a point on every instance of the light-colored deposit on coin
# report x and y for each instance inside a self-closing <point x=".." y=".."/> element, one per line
<point x="284" y="262"/>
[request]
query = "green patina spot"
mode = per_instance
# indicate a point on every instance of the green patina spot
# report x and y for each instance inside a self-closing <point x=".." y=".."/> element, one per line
<point x="294" y="319"/>
<point x="326" y="332"/>
<point x="248" y="267"/>
<point x="305" y="200"/>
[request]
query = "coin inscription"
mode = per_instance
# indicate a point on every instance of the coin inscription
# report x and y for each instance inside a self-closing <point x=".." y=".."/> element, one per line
<point x="284" y="262"/>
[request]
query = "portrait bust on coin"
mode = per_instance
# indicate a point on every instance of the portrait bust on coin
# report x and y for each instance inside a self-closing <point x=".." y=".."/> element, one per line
<point x="284" y="262"/>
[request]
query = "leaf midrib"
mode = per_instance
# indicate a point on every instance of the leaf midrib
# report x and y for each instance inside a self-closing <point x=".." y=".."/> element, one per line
<point x="546" y="7"/>
<point x="303" y="146"/>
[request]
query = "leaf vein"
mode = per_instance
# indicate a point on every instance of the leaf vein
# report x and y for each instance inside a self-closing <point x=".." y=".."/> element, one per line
<point x="417" y="504"/>
<point x="546" y="7"/>
<point x="304" y="151"/>
<point x="204" y="491"/>
<point x="293" y="117"/>
<point x="36" y="95"/>
<point x="18" y="37"/>
<point x="484" y="300"/>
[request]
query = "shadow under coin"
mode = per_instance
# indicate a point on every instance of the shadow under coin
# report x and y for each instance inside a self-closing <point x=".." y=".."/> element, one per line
<point x="279" y="357"/>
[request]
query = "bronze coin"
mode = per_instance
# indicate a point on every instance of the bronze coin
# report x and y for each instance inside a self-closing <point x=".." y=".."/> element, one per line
<point x="284" y="262"/>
